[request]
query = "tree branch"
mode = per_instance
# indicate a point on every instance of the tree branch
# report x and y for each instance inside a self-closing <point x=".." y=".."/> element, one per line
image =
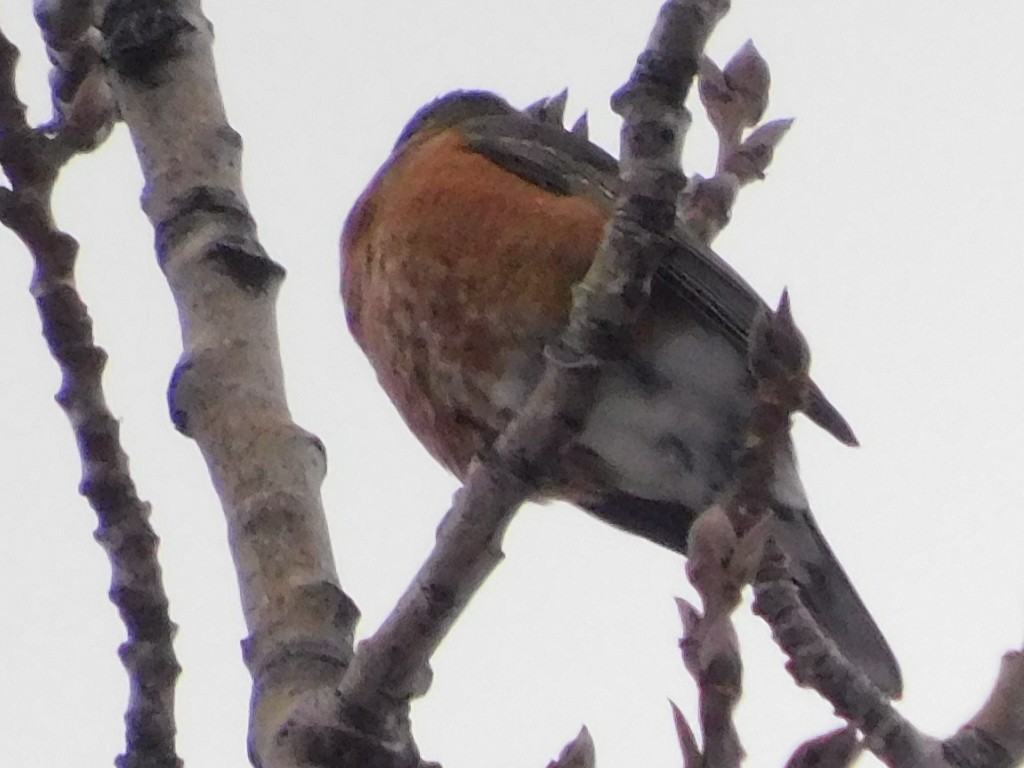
<point x="993" y="738"/>
<point x="725" y="538"/>
<point x="735" y="99"/>
<point x="227" y="391"/>
<point x="31" y="159"/>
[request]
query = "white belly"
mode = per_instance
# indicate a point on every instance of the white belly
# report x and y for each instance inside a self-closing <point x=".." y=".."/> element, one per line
<point x="669" y="424"/>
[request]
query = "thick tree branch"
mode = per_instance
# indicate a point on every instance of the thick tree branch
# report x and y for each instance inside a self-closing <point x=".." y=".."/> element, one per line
<point x="227" y="391"/>
<point x="31" y="159"/>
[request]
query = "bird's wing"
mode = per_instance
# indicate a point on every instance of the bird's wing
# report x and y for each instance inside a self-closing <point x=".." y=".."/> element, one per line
<point x="566" y="163"/>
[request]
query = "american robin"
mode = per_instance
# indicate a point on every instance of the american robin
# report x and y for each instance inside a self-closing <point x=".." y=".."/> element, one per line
<point x="457" y="266"/>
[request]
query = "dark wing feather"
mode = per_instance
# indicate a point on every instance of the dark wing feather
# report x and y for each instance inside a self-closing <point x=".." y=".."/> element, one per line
<point x="567" y="164"/>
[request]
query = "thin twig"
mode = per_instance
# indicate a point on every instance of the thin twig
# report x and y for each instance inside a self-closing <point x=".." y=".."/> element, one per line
<point x="725" y="537"/>
<point x="815" y="661"/>
<point x="31" y="160"/>
<point x="734" y="98"/>
<point x="993" y="738"/>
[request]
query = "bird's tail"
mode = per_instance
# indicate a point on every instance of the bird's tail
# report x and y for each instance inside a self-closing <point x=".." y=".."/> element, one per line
<point x="830" y="597"/>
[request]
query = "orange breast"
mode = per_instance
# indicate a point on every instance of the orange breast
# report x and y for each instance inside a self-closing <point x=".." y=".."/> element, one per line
<point x="454" y="274"/>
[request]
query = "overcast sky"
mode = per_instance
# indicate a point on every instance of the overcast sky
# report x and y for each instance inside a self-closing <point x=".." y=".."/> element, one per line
<point x="893" y="213"/>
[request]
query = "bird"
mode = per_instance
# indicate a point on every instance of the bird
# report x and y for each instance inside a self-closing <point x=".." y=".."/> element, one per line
<point x="457" y="267"/>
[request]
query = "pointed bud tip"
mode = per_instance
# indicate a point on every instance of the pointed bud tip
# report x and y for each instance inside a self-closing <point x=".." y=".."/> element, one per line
<point x="582" y="126"/>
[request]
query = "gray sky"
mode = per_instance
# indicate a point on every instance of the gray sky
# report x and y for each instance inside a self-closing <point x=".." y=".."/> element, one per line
<point x="893" y="213"/>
